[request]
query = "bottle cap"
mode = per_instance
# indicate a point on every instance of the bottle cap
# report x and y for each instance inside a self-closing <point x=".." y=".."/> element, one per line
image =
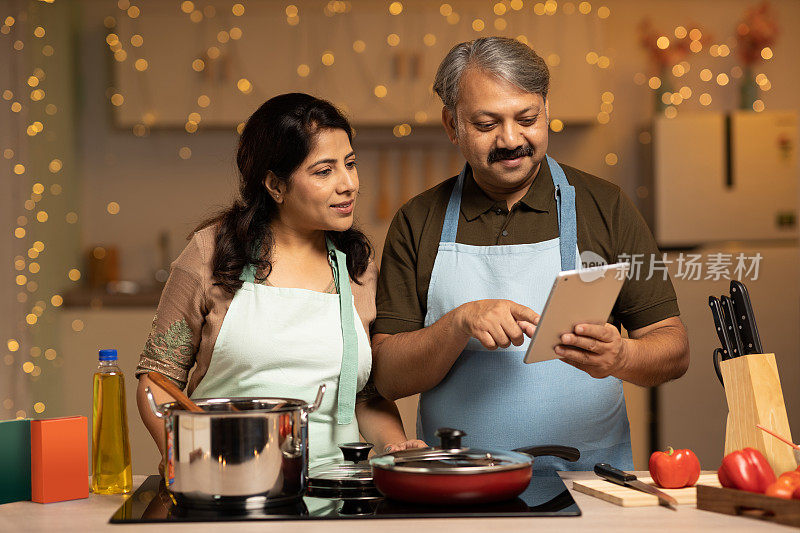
<point x="108" y="355"/>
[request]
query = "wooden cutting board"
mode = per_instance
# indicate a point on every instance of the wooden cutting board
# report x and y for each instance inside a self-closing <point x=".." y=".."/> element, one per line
<point x="628" y="497"/>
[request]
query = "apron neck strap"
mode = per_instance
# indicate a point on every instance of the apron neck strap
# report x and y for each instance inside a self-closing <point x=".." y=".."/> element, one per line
<point x="348" y="374"/>
<point x="248" y="273"/>
<point x="567" y="217"/>
<point x="565" y="203"/>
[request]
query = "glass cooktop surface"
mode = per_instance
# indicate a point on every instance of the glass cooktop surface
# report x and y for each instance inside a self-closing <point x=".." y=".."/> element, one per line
<point x="545" y="496"/>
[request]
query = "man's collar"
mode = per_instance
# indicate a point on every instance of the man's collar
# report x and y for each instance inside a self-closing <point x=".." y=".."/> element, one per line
<point x="475" y="202"/>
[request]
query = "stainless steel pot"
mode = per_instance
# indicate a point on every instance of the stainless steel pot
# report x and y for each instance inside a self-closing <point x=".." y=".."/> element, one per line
<point x="240" y="453"/>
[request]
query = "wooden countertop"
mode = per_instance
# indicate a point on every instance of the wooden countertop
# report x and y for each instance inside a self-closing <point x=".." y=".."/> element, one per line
<point x="92" y="514"/>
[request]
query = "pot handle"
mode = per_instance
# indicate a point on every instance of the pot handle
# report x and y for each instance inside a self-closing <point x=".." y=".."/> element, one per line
<point x="568" y="453"/>
<point x="152" y="402"/>
<point x="310" y="408"/>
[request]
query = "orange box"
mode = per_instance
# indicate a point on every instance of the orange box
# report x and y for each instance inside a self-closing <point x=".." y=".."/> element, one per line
<point x="59" y="459"/>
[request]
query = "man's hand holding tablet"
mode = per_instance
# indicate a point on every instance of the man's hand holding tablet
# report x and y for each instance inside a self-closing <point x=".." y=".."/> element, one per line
<point x="573" y="325"/>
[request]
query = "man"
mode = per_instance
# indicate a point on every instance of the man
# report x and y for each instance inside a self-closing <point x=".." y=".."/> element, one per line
<point x="469" y="263"/>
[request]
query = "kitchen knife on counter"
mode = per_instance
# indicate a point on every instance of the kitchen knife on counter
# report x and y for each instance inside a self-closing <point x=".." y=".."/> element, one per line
<point x="609" y="473"/>
<point x="719" y="324"/>
<point x="746" y="318"/>
<point x="732" y="325"/>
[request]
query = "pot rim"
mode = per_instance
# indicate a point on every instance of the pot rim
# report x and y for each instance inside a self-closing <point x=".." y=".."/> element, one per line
<point x="290" y="405"/>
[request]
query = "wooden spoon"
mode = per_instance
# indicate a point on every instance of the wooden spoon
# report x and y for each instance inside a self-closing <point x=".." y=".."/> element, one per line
<point x="174" y="391"/>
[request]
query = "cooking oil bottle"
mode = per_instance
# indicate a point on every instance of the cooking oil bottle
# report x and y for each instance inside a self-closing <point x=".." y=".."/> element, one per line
<point x="111" y="451"/>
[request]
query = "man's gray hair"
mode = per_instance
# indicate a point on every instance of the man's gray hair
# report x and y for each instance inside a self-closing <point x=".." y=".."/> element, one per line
<point x="507" y="58"/>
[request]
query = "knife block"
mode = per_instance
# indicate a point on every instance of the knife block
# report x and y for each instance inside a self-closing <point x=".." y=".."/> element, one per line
<point x="754" y="394"/>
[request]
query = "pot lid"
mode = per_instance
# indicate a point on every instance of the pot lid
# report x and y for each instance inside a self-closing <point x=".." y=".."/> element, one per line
<point x="451" y="458"/>
<point x="351" y="471"/>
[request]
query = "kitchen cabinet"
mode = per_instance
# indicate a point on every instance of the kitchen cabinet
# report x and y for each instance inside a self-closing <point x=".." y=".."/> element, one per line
<point x="724" y="177"/>
<point x="274" y="56"/>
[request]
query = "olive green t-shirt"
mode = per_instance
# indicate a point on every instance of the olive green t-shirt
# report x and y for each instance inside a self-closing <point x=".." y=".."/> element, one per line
<point x="608" y="225"/>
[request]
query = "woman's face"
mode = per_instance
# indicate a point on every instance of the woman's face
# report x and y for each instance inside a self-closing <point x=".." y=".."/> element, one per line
<point x="323" y="189"/>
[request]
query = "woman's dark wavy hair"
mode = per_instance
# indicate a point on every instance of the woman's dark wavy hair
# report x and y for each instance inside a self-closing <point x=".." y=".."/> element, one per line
<point x="277" y="138"/>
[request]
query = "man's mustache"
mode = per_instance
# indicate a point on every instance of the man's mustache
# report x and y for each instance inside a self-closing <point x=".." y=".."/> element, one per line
<point x="500" y="154"/>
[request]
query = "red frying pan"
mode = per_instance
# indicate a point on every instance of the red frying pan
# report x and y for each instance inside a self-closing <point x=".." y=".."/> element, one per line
<point x="452" y="474"/>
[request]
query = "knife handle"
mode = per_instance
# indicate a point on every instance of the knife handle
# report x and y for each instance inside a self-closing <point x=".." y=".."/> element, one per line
<point x="747" y="320"/>
<point x="731" y="322"/>
<point x="719" y="324"/>
<point x="612" y="474"/>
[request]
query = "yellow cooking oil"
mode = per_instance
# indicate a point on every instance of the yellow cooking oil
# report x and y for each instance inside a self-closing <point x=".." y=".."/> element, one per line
<point x="111" y="452"/>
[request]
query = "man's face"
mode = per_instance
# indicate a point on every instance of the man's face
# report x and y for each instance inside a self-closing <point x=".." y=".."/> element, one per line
<point x="500" y="129"/>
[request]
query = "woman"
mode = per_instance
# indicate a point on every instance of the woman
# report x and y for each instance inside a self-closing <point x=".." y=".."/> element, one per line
<point x="259" y="301"/>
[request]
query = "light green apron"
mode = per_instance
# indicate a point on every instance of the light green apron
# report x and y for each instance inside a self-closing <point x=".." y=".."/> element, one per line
<point x="284" y="342"/>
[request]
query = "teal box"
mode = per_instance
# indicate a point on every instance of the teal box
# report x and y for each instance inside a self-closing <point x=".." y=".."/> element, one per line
<point x="15" y="460"/>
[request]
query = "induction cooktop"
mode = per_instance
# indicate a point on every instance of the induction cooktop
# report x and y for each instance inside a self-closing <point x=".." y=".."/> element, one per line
<point x="545" y="496"/>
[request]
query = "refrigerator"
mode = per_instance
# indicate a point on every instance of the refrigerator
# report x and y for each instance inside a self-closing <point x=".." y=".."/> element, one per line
<point x="725" y="194"/>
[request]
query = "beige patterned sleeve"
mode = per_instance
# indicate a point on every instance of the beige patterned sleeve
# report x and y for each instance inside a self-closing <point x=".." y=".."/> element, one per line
<point x="174" y="338"/>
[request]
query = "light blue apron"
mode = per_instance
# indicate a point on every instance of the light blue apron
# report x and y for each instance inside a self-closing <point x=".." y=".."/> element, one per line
<point x="497" y="399"/>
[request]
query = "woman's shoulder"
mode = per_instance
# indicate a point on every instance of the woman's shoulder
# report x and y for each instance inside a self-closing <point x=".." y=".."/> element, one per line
<point x="369" y="278"/>
<point x="364" y="293"/>
<point x="197" y="256"/>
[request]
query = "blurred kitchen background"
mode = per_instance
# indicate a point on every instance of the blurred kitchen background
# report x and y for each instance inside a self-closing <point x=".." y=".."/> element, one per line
<point x="119" y="122"/>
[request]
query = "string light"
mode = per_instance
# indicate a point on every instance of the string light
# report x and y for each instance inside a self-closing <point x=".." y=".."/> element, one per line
<point x="395" y="8"/>
<point x="245" y="86"/>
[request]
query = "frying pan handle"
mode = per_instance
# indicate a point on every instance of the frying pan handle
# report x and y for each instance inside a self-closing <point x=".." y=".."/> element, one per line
<point x="568" y="453"/>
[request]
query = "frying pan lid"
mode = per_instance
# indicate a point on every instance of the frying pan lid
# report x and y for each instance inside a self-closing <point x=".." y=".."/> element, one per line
<point x="451" y="458"/>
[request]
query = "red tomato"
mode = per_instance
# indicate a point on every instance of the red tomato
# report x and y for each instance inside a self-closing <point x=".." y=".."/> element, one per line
<point x="782" y="488"/>
<point x="791" y="474"/>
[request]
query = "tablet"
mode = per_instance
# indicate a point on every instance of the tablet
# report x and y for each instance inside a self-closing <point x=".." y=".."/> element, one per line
<point x="583" y="296"/>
